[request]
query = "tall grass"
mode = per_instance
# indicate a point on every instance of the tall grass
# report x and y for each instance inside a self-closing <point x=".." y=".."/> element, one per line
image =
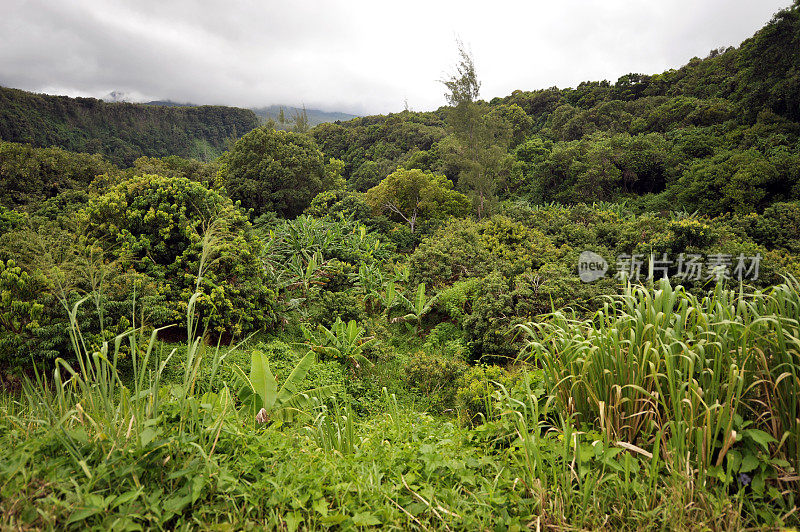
<point x="86" y="401"/>
<point x="90" y="401"/>
<point x="689" y="371"/>
<point x="333" y="430"/>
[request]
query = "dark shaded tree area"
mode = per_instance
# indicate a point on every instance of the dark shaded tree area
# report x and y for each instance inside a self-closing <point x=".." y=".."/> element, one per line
<point x="276" y="171"/>
<point x="52" y="178"/>
<point x="122" y="132"/>
<point x="31" y="175"/>
<point x="372" y="147"/>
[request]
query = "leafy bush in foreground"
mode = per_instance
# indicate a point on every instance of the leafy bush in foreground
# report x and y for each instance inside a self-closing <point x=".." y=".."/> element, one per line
<point x="185" y="238"/>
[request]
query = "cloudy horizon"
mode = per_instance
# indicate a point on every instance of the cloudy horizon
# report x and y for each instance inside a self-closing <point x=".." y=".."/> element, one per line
<point x="358" y="57"/>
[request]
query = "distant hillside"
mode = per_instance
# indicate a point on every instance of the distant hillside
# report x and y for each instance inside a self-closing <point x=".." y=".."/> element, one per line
<point x="315" y="116"/>
<point x="272" y="112"/>
<point x="121" y="131"/>
<point x="169" y="103"/>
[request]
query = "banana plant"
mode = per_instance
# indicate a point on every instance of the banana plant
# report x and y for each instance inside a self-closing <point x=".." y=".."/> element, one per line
<point x="275" y="265"/>
<point x="418" y="308"/>
<point x="344" y="342"/>
<point x="369" y="282"/>
<point x="305" y="275"/>
<point x="402" y="272"/>
<point x="264" y="401"/>
<point x="389" y="296"/>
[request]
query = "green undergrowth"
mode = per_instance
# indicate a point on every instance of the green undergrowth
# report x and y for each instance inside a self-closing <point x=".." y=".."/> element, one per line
<point x="406" y="471"/>
<point x="395" y="430"/>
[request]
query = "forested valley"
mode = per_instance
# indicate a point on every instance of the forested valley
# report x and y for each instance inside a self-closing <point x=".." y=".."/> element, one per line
<point x="560" y="309"/>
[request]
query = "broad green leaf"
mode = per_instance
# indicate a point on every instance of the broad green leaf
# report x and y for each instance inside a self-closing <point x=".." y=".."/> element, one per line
<point x="391" y="293"/>
<point x="293" y="520"/>
<point x="148" y="434"/>
<point x="83" y="513"/>
<point x="749" y="463"/>
<point x="292" y="382"/>
<point x="321" y="506"/>
<point x="262" y="380"/>
<point x="758" y="483"/>
<point x="127" y="497"/>
<point x="759" y="436"/>
<point x="365" y="519"/>
<point x="420" y="298"/>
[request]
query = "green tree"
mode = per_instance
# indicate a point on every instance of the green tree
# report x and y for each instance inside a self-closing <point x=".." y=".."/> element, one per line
<point x="769" y="75"/>
<point x="29" y="175"/>
<point x="734" y="181"/>
<point x="185" y="238"/>
<point x="19" y="310"/>
<point x="480" y="138"/>
<point x="412" y="194"/>
<point x="519" y="122"/>
<point x="463" y="87"/>
<point x="300" y="119"/>
<point x="278" y="171"/>
<point x="174" y="166"/>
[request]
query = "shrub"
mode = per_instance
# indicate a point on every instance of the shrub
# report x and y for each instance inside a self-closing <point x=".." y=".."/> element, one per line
<point x="435" y="378"/>
<point x="691" y="232"/>
<point x="167" y="229"/>
<point x="337" y="276"/>
<point x="456" y="301"/>
<point x="330" y="306"/>
<point x="446" y="340"/>
<point x="476" y="392"/>
<point x="488" y="328"/>
<point x="465" y="248"/>
<point x="778" y="227"/>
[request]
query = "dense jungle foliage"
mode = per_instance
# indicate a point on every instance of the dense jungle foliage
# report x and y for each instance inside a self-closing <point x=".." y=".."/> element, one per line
<point x="392" y="322"/>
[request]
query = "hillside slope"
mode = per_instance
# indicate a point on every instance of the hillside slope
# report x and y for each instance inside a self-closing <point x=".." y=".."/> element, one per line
<point x="120" y="131"/>
<point x="315" y="116"/>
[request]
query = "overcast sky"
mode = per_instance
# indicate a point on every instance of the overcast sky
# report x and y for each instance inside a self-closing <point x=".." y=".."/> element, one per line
<point x="364" y="56"/>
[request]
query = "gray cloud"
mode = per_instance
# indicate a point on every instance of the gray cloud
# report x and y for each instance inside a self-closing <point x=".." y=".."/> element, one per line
<point x="362" y="56"/>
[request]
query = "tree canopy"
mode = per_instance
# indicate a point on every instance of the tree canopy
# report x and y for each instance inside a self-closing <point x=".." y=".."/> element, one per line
<point x="184" y="237"/>
<point x="409" y="195"/>
<point x="275" y="171"/>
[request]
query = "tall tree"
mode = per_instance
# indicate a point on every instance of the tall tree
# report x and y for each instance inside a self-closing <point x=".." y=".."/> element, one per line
<point x="480" y="140"/>
<point x="300" y="119"/>
<point x="464" y="86"/>
<point x="279" y="171"/>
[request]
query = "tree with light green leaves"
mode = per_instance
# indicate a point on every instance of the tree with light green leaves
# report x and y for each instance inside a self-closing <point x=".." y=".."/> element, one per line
<point x="409" y="195"/>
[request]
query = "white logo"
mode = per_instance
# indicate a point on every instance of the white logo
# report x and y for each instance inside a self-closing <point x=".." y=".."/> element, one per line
<point x="591" y="266"/>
